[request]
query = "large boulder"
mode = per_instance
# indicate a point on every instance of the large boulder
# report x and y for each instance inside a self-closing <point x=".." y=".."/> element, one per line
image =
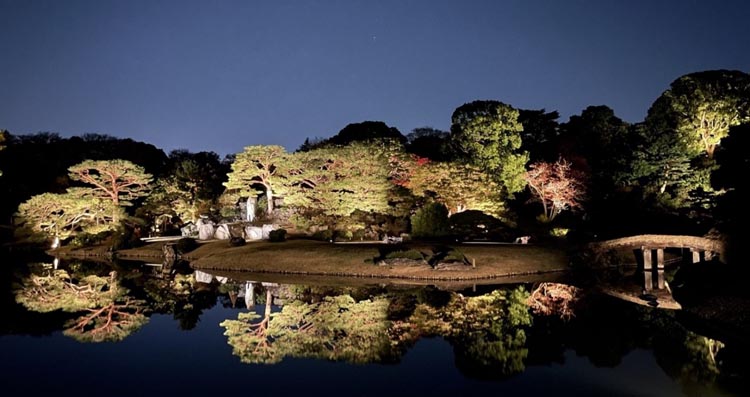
<point x="189" y="230"/>
<point x="206" y="229"/>
<point x="267" y="229"/>
<point x="222" y="232"/>
<point x="254" y="233"/>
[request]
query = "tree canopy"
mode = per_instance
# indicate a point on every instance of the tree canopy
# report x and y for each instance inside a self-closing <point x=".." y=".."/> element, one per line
<point x="701" y="107"/>
<point x="192" y="183"/>
<point x="336" y="181"/>
<point x="266" y="167"/>
<point x="488" y="134"/>
<point x="365" y="131"/>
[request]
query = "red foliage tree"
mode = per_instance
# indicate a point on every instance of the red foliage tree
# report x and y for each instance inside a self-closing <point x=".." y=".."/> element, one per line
<point x="556" y="185"/>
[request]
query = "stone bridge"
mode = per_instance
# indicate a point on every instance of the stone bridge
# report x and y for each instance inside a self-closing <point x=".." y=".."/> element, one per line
<point x="649" y="251"/>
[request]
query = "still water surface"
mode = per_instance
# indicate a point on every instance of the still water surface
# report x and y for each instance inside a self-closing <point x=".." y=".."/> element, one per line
<point x="174" y="331"/>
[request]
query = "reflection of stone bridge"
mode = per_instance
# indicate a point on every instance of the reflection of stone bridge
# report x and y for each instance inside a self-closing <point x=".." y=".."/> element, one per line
<point x="649" y="251"/>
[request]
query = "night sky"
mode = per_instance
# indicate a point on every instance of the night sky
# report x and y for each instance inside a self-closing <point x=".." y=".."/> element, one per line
<point x="220" y="75"/>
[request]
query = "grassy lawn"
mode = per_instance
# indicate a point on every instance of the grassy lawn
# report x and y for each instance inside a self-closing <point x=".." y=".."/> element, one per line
<point x="316" y="258"/>
<point x="321" y="258"/>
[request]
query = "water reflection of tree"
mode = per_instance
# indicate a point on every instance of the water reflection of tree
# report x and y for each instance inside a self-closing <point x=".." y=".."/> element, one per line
<point x="181" y="296"/>
<point x="486" y="331"/>
<point x="109" y="313"/>
<point x="337" y="328"/>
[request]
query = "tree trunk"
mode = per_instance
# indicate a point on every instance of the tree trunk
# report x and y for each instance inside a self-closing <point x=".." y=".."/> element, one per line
<point x="710" y="151"/>
<point x="269" y="197"/>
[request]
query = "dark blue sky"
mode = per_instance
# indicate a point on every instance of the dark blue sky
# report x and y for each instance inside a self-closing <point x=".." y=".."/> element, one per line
<point x="219" y="75"/>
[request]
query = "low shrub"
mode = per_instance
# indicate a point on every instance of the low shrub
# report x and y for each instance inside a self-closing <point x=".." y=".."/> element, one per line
<point x="277" y="236"/>
<point x="430" y="221"/>
<point x="185" y="245"/>
<point x="559" y="232"/>
<point x="344" y="235"/>
<point x="88" y="240"/>
<point x="323" y="235"/>
<point x="236" y="242"/>
<point x="408" y="254"/>
<point x="358" y="235"/>
<point x="125" y="238"/>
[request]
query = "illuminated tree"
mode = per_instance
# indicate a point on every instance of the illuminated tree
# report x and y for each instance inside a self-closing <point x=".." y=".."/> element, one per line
<point x="460" y="187"/>
<point x="336" y="181"/>
<point x="557" y="186"/>
<point x="677" y="141"/>
<point x="431" y="220"/>
<point x="488" y="134"/>
<point x="701" y="107"/>
<point x="260" y="166"/>
<point x="64" y="215"/>
<point x="119" y="181"/>
<point x="192" y="184"/>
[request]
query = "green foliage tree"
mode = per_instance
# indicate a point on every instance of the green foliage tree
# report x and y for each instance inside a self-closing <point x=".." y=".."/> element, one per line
<point x="66" y="214"/>
<point x="260" y="166"/>
<point x="677" y="141"/>
<point x="337" y="181"/>
<point x="430" y="221"/>
<point x="38" y="163"/>
<point x="701" y="107"/>
<point x="119" y="181"/>
<point x="460" y="187"/>
<point x="488" y="134"/>
<point x="191" y="185"/>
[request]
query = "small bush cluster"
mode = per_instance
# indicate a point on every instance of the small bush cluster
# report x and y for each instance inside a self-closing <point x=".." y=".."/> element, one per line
<point x="236" y="242"/>
<point x="84" y="240"/>
<point x="323" y="235"/>
<point x="126" y="238"/>
<point x="430" y="221"/>
<point x="408" y="254"/>
<point x="277" y="236"/>
<point x="185" y="245"/>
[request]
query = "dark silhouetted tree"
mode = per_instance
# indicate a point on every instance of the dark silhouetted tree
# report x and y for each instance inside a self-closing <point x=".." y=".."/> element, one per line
<point x="430" y="143"/>
<point x="540" y="133"/>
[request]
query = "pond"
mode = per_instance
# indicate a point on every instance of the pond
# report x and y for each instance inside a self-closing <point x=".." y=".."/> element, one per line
<point x="126" y="328"/>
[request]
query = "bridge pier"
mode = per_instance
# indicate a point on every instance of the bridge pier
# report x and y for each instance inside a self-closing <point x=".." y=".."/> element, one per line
<point x="648" y="257"/>
<point x="648" y="281"/>
<point x="696" y="256"/>
<point x="660" y="268"/>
